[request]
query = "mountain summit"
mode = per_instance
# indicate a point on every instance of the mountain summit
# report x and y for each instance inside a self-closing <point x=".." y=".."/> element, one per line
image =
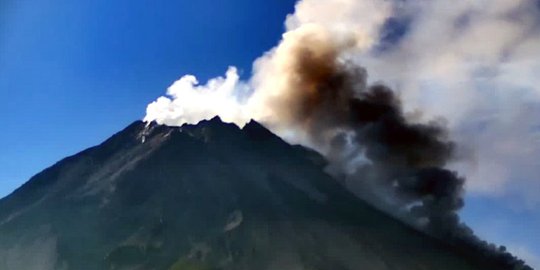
<point x="205" y="196"/>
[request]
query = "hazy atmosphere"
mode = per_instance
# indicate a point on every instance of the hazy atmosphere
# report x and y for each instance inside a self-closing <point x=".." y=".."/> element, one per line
<point x="458" y="80"/>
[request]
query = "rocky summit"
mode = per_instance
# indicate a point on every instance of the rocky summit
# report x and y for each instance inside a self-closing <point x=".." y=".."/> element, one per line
<point x="206" y="196"/>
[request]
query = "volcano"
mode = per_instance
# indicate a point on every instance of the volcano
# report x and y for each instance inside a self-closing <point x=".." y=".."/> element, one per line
<point x="207" y="196"/>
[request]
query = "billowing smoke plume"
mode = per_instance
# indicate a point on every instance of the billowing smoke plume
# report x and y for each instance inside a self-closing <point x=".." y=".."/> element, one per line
<point x="327" y="99"/>
<point x="313" y="89"/>
<point x="308" y="89"/>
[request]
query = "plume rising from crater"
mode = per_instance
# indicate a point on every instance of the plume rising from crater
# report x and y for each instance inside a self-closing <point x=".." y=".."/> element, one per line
<point x="313" y="88"/>
<point x="309" y="90"/>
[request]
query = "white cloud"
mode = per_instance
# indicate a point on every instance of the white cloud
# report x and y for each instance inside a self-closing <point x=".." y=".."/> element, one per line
<point x="189" y="102"/>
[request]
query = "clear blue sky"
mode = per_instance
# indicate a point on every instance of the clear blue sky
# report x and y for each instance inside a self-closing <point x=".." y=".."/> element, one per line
<point x="72" y="73"/>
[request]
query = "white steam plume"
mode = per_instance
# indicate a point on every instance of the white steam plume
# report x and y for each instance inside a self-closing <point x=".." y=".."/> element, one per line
<point x="188" y="102"/>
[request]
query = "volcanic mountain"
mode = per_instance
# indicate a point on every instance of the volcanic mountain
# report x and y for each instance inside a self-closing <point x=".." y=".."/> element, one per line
<point x="206" y="196"/>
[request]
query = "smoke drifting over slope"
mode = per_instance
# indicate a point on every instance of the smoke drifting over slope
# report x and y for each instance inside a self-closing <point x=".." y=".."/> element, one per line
<point x="329" y="100"/>
<point x="309" y="88"/>
<point x="313" y="89"/>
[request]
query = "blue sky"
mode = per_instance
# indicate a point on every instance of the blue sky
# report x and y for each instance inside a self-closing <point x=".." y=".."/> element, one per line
<point x="72" y="73"/>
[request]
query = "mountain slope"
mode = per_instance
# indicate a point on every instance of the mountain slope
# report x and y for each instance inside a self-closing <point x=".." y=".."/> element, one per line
<point x="210" y="196"/>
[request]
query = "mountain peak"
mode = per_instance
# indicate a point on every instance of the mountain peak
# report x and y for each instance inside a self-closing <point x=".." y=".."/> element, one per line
<point x="258" y="131"/>
<point x="205" y="196"/>
<point x="216" y="120"/>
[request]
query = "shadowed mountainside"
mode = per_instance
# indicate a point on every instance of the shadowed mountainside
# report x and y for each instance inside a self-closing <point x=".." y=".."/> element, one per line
<point x="206" y="196"/>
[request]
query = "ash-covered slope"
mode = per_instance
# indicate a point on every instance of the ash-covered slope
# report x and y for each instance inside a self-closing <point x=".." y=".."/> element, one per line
<point x="210" y="196"/>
